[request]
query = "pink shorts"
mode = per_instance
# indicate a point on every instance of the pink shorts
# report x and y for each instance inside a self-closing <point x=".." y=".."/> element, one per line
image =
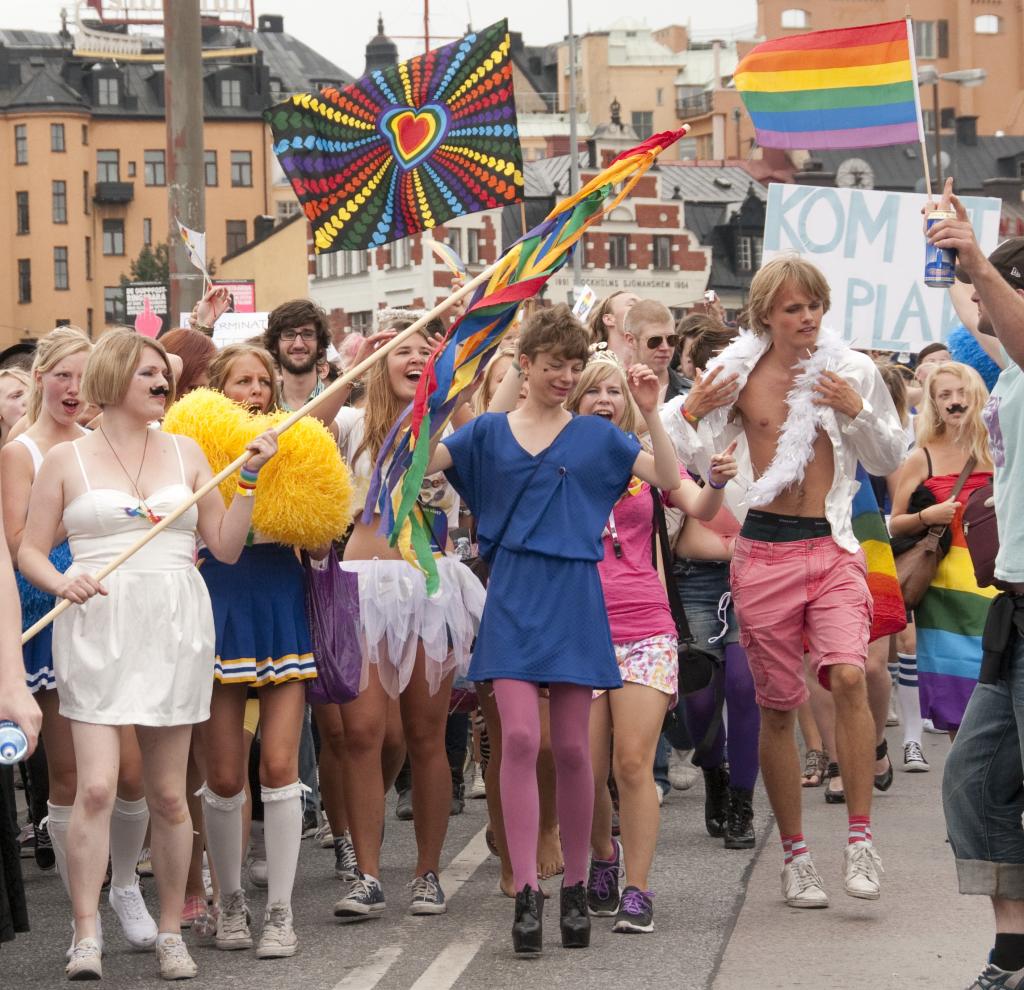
<point x="787" y="595"/>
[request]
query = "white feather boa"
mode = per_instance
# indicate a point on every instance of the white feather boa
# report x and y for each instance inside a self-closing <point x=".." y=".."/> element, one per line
<point x="796" y="437"/>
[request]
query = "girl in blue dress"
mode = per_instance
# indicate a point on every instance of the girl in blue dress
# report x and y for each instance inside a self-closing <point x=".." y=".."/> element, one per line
<point x="541" y="483"/>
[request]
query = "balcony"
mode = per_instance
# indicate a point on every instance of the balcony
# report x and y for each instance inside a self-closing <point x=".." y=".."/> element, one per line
<point x="114" y="192"/>
<point x="694" y="106"/>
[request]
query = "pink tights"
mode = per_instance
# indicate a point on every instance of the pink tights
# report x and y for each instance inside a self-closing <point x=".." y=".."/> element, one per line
<point x="574" y="794"/>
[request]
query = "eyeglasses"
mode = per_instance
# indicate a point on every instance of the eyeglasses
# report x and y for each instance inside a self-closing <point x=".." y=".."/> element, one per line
<point x="653" y="343"/>
<point x="306" y="335"/>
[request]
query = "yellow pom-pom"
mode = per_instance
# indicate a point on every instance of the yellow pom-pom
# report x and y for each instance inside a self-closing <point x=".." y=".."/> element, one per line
<point x="305" y="494"/>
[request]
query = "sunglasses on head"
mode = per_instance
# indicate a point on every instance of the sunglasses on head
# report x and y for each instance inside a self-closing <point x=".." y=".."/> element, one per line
<point x="653" y="343"/>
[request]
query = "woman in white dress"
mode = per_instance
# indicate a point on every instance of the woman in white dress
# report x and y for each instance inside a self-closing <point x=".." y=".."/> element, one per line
<point x="138" y="648"/>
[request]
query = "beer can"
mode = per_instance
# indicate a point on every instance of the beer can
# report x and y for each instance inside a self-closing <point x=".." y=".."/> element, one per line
<point x="939" y="263"/>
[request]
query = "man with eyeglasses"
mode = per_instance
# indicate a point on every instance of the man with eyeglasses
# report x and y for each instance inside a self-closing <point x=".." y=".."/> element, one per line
<point x="297" y="337"/>
<point x="650" y="333"/>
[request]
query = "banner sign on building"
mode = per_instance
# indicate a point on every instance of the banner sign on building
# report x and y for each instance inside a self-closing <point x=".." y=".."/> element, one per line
<point x="242" y="298"/>
<point x="870" y="245"/>
<point x="234" y="328"/>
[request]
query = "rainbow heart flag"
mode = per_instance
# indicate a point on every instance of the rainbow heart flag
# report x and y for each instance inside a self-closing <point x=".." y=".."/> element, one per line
<point x="407" y="147"/>
<point x="849" y="88"/>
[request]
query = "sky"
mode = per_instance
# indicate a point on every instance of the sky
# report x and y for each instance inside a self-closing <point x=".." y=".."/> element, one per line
<point x="331" y="27"/>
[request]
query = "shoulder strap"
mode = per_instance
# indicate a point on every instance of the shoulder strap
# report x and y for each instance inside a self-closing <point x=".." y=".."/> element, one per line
<point x="939" y="531"/>
<point x="675" y="603"/>
<point x="81" y="465"/>
<point x="928" y="458"/>
<point x="181" y="463"/>
<point x="33" y="450"/>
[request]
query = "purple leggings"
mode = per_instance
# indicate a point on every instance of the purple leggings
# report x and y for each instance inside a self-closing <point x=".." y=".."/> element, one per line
<point x="744" y="721"/>
<point x="574" y="788"/>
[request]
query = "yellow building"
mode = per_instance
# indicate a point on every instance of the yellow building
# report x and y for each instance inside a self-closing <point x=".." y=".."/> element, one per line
<point x="84" y="187"/>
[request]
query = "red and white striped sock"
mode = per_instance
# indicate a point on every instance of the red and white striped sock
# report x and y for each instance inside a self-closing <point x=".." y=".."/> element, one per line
<point x="860" y="829"/>
<point x="793" y="846"/>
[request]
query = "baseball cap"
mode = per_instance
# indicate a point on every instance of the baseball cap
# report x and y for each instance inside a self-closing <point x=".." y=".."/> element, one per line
<point x="1007" y="259"/>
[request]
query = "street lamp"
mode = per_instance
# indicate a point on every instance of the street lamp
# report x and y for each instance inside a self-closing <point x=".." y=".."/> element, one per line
<point x="930" y="76"/>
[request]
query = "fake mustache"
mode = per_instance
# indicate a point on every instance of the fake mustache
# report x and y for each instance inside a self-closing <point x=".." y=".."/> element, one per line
<point x="956" y="407"/>
<point x="159" y="390"/>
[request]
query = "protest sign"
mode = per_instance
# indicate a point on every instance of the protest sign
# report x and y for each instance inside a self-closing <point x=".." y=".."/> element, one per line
<point x="241" y="294"/>
<point x="870" y="245"/>
<point x="233" y="328"/>
<point x="136" y="295"/>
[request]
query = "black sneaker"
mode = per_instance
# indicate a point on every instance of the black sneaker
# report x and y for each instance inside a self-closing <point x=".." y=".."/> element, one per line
<point x="636" y="912"/>
<point x="310" y="822"/>
<point x="739" y="826"/>
<point x="27" y="841"/>
<point x="426" y="895"/>
<point x="45" y="858"/>
<point x="346" y="866"/>
<point x="994" y="978"/>
<point x="603" y="884"/>
<point x="458" y="794"/>
<point x="403" y="810"/>
<point x="365" y="899"/>
<point x="716" y="800"/>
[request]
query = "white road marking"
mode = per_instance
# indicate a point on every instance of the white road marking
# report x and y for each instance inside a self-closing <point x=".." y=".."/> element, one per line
<point x="465" y="864"/>
<point x="367" y="976"/>
<point x="445" y="970"/>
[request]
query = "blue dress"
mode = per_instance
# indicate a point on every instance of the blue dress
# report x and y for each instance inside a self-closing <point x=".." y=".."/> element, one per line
<point x="544" y="619"/>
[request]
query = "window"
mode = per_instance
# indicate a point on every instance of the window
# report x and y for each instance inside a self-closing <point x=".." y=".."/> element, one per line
<point x="795" y="18"/>
<point x="210" y="167"/>
<point x="287" y="208"/>
<point x="60" y="201"/>
<point x="88" y="259"/>
<point x="361" y="322"/>
<point x="113" y="304"/>
<point x="947" y="119"/>
<point x="108" y="91"/>
<point x="662" y="252"/>
<point x="155" y="165"/>
<point x="400" y="254"/>
<point x="472" y="246"/>
<point x="231" y="92"/>
<point x="237" y="238"/>
<point x="85" y="134"/>
<point x="147" y="231"/>
<point x="454" y="240"/>
<point x="60" y="268"/>
<point x="108" y="167"/>
<point x="748" y="253"/>
<point x="24" y="280"/>
<point x="931" y="39"/>
<point x="21" y="144"/>
<point x="618" y="250"/>
<point x="241" y="168"/>
<point x="57" y="137"/>
<point x="85" y="192"/>
<point x="131" y="170"/>
<point x="113" y="237"/>
<point x="987" y="24"/>
<point x="659" y="96"/>
<point x="643" y="123"/>
<point x="21" y="201"/>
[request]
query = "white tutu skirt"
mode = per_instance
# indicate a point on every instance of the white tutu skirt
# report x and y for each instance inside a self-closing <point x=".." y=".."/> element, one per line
<point x="395" y="613"/>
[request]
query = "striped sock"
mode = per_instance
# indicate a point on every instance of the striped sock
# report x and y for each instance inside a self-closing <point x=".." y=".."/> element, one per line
<point x="860" y="829"/>
<point x="793" y="846"/>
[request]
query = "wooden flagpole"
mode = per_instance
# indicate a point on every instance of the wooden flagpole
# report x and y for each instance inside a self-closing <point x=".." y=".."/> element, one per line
<point x="285" y="424"/>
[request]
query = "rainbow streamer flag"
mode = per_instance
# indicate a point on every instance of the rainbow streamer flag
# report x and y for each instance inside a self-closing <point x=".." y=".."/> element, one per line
<point x="890" y="614"/>
<point x="470" y="342"/>
<point x="850" y="88"/>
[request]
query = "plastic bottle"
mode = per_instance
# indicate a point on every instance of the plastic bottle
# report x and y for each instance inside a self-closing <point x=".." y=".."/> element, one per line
<point x="13" y="743"/>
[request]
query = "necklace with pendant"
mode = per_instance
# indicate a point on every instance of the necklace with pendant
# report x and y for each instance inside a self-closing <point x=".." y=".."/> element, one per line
<point x="142" y="510"/>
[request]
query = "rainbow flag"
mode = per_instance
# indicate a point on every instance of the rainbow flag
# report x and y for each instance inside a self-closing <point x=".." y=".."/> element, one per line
<point x="849" y="88"/>
<point x="890" y="614"/>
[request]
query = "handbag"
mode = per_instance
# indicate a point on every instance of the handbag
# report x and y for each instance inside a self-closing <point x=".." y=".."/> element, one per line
<point x="916" y="567"/>
<point x="981" y="534"/>
<point x="332" y="609"/>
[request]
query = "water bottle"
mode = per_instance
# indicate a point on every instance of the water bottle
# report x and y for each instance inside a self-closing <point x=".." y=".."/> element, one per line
<point x="13" y="743"/>
<point x="463" y="548"/>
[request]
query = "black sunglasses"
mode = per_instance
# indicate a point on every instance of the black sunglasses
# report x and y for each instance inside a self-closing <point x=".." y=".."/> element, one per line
<point x="653" y="343"/>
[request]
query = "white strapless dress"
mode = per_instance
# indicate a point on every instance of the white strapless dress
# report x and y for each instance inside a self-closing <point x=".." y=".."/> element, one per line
<point x="143" y="654"/>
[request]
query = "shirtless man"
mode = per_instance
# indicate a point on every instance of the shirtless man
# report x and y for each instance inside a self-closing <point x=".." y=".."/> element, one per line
<point x="808" y="408"/>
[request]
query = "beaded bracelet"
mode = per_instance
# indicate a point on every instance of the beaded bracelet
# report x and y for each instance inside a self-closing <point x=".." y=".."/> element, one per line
<point x="247" y="483"/>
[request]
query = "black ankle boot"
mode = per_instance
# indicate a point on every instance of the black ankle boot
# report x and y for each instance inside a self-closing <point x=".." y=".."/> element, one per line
<point x="575" y="918"/>
<point x="528" y="927"/>
<point x="739" y="825"/>
<point x="716" y="800"/>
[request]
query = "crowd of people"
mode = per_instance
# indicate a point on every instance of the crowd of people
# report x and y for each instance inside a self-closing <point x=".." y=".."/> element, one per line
<point x="696" y="492"/>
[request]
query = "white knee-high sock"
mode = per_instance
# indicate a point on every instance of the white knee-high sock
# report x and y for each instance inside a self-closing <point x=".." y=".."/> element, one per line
<point x="128" y="825"/>
<point x="910" y="701"/>
<point x="282" y="832"/>
<point x="58" y="816"/>
<point x="223" y="818"/>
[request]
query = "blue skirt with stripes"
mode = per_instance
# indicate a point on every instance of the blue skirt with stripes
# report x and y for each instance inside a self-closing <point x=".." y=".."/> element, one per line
<point x="259" y="614"/>
<point x="37" y="653"/>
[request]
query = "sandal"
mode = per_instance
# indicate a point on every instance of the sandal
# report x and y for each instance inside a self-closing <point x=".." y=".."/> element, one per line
<point x="815" y="767"/>
<point x="833" y="796"/>
<point x="883" y="781"/>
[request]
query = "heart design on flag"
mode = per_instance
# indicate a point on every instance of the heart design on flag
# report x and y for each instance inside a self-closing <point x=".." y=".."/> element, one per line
<point x="413" y="133"/>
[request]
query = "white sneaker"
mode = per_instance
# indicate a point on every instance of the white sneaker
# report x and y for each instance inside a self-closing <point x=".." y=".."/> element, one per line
<point x="324" y="837"/>
<point x="801" y="885"/>
<point x="913" y="758"/>
<point x="682" y="774"/>
<point x="256" y="860"/>
<point x="278" y="938"/>
<point x="175" y="962"/>
<point x="475" y="786"/>
<point x="661" y="794"/>
<point x="233" y="923"/>
<point x="98" y="936"/>
<point x="929" y="726"/>
<point x="86" y="961"/>
<point x="893" y="716"/>
<point x="862" y="866"/>
<point x="136" y="921"/>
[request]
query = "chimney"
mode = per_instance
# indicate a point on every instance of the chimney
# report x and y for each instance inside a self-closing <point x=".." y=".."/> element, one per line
<point x="262" y="228"/>
<point x="271" y="24"/>
<point x="967" y="130"/>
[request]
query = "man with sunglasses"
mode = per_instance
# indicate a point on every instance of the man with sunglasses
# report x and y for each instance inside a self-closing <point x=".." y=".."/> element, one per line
<point x="650" y="332"/>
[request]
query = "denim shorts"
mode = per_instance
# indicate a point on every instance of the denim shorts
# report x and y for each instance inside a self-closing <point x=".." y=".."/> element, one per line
<point x="704" y="588"/>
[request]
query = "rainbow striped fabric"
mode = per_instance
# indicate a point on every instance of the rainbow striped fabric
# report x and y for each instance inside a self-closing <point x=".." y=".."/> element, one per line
<point x="890" y="614"/>
<point x="849" y="88"/>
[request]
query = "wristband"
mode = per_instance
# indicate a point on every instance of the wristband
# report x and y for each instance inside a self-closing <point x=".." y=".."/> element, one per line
<point x="246" y="483"/>
<point x="717" y="488"/>
<point x="689" y="417"/>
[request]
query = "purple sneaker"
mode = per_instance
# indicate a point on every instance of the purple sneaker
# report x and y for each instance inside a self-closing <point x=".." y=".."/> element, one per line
<point x="603" y="884"/>
<point x="636" y="912"/>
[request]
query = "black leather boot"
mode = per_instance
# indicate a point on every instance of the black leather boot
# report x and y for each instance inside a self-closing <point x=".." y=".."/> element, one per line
<point x="528" y="927"/>
<point x="739" y="825"/>
<point x="716" y="800"/>
<point x="575" y="917"/>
